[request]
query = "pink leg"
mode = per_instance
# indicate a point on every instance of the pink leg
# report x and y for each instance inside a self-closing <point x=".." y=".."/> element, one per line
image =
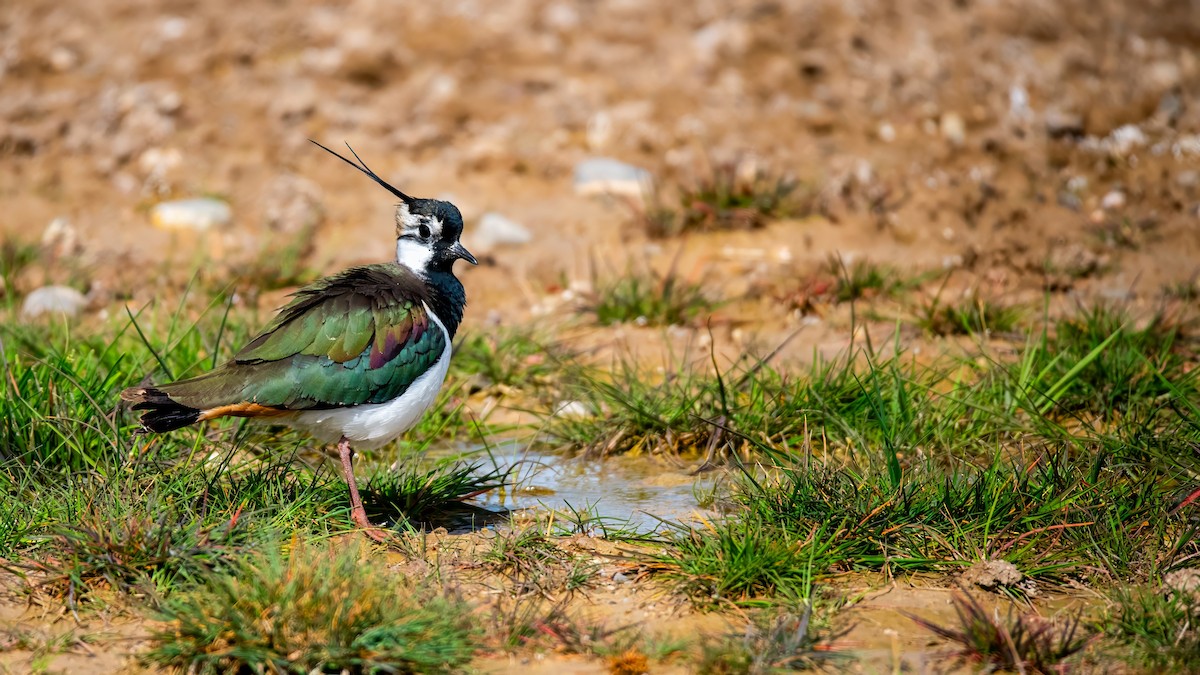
<point x="356" y="507"/>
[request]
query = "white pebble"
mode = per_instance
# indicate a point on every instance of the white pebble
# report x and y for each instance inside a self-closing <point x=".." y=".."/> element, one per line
<point x="191" y="214"/>
<point x="53" y="300"/>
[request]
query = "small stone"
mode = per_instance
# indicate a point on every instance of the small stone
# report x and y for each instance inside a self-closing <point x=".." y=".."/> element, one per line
<point x="887" y="133"/>
<point x="1061" y="124"/>
<point x="1184" y="582"/>
<point x="1188" y="179"/>
<point x="953" y="129"/>
<point x="1113" y="201"/>
<point x="620" y="578"/>
<point x="604" y="176"/>
<point x="191" y="214"/>
<point x="993" y="574"/>
<point x="575" y="409"/>
<point x="62" y="300"/>
<point x="61" y="239"/>
<point x="494" y="230"/>
<point x="63" y="58"/>
<point x="1018" y="104"/>
<point x="719" y="40"/>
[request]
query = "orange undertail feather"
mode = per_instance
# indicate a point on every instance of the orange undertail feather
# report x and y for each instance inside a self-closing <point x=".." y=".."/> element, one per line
<point x="162" y="413"/>
<point x="244" y="409"/>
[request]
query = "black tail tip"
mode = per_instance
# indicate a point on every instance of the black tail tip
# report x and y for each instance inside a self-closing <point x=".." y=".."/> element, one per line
<point x="162" y="414"/>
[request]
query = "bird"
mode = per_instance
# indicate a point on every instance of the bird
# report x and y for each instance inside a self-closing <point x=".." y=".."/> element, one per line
<point x="355" y="358"/>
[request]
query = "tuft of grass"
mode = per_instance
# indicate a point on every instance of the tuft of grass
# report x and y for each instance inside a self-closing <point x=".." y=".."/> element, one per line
<point x="740" y="561"/>
<point x="533" y="561"/>
<point x="416" y="493"/>
<point x="15" y="256"/>
<point x="1156" y="630"/>
<point x="647" y="299"/>
<point x="130" y="555"/>
<point x="1124" y="367"/>
<point x="865" y="280"/>
<point x="303" y="610"/>
<point x="973" y="315"/>
<point x="514" y="358"/>
<point x="724" y="199"/>
<point x="1023" y="643"/>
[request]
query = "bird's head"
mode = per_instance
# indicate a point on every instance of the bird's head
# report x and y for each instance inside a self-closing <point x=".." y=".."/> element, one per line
<point x="427" y="236"/>
<point x="427" y="230"/>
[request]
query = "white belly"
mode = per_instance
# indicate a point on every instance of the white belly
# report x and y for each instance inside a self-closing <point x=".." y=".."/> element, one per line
<point x="371" y="425"/>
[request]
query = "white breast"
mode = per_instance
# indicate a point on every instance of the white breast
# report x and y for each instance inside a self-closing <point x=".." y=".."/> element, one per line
<point x="374" y="424"/>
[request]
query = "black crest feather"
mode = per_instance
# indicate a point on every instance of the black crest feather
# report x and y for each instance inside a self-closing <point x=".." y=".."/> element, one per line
<point x="362" y="166"/>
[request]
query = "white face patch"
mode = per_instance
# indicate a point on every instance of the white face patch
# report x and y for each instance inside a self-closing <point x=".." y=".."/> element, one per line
<point x="415" y="235"/>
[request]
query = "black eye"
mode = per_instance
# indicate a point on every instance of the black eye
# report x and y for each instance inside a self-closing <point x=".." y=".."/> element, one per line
<point x="423" y="231"/>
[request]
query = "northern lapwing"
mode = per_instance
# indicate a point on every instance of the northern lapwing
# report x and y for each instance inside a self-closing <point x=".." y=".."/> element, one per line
<point x="354" y="359"/>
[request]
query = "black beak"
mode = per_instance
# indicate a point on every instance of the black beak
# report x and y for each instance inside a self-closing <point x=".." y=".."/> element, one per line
<point x="460" y="252"/>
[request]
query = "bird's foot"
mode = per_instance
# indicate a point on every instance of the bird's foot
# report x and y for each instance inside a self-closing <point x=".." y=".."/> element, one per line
<point x="360" y="518"/>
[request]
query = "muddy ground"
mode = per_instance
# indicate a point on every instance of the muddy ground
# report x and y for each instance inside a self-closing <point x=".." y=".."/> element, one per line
<point x="1028" y="149"/>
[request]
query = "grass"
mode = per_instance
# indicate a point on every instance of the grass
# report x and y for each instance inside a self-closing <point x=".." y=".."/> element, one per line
<point x="418" y="494"/>
<point x="1155" y="630"/>
<point x="302" y="610"/>
<point x="972" y="315"/>
<point x="1070" y="453"/>
<point x="1023" y="643"/>
<point x="95" y="513"/>
<point x="893" y="464"/>
<point x="532" y="560"/>
<point x="865" y="280"/>
<point x="740" y="562"/>
<point x="518" y="359"/>
<point x="723" y="199"/>
<point x="647" y="299"/>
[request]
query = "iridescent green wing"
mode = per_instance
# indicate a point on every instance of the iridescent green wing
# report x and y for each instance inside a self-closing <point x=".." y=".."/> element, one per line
<point x="362" y="336"/>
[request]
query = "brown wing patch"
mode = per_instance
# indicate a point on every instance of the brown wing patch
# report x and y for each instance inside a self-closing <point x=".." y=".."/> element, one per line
<point x="244" y="409"/>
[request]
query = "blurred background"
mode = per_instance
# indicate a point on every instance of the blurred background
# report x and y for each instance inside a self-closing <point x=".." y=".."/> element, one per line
<point x="1020" y="146"/>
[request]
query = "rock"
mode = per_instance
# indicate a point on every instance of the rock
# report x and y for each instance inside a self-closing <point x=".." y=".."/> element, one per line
<point x="191" y="214"/>
<point x="721" y="40"/>
<point x="1187" y="146"/>
<point x="293" y="205"/>
<point x="1113" y="201"/>
<point x="1120" y="143"/>
<point x="62" y="300"/>
<point x="62" y="58"/>
<point x="1019" y="110"/>
<point x="575" y="409"/>
<point x="494" y="230"/>
<point x="1061" y="124"/>
<point x="887" y="133"/>
<point x="993" y="574"/>
<point x="1188" y="179"/>
<point x="601" y="176"/>
<point x="1184" y="582"/>
<point x="953" y="129"/>
<point x="620" y="578"/>
<point x="60" y="239"/>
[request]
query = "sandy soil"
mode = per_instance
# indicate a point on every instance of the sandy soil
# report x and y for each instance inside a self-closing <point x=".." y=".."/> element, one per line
<point x="1024" y="144"/>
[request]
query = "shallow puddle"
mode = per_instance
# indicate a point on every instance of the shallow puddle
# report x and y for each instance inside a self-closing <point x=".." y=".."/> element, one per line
<point x="625" y="493"/>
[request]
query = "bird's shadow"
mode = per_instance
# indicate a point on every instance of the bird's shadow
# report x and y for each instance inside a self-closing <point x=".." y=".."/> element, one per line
<point x="455" y="517"/>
